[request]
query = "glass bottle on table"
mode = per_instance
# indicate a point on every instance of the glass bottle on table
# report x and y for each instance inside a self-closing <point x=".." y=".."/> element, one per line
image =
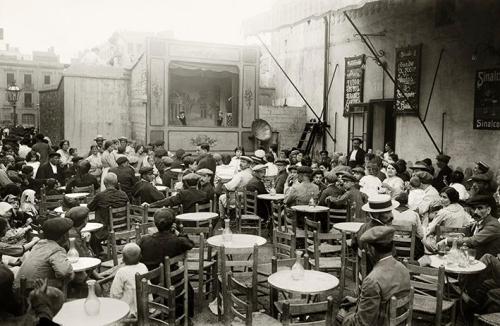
<point x="227" y="235"/>
<point x="72" y="254"/>
<point x="464" y="256"/>
<point x="312" y="202"/>
<point x="92" y="305"/>
<point x="297" y="268"/>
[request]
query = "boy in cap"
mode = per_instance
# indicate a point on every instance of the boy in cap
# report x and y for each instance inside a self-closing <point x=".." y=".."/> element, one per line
<point x="187" y="197"/>
<point x="204" y="183"/>
<point x="388" y="278"/>
<point x="352" y="196"/>
<point x="51" y="169"/>
<point x="331" y="188"/>
<point x="123" y="286"/>
<point x="126" y="175"/>
<point x="257" y="184"/>
<point x="280" y="179"/>
<point x="48" y="259"/>
<point x="144" y="191"/>
<point x="238" y="182"/>
<point x="318" y="177"/>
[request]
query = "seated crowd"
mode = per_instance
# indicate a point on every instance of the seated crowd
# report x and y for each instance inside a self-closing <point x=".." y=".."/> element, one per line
<point x="378" y="189"/>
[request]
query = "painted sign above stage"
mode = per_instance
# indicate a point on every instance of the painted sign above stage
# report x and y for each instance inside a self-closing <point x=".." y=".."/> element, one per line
<point x="353" y="81"/>
<point x="487" y="99"/>
<point x="407" y="93"/>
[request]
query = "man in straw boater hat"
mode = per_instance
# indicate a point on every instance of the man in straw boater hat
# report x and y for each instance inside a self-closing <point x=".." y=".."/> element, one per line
<point x="379" y="211"/>
<point x="388" y="278"/>
<point x="99" y="142"/>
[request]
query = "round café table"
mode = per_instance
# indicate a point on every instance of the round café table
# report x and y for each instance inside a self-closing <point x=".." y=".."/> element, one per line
<point x="92" y="226"/>
<point x="349" y="227"/>
<point x="313" y="282"/>
<point x="161" y="188"/>
<point x="310" y="209"/>
<point x="238" y="241"/>
<point x="85" y="263"/>
<point x="438" y="261"/>
<point x="73" y="313"/>
<point x="196" y="217"/>
<point x="271" y="197"/>
<point x="77" y="195"/>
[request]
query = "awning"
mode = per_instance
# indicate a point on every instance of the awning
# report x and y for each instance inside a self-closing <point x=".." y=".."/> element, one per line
<point x="203" y="67"/>
<point x="285" y="14"/>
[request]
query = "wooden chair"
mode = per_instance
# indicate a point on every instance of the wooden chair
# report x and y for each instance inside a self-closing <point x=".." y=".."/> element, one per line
<point x="139" y="215"/>
<point x="293" y="310"/>
<point x="337" y="215"/>
<point x="26" y="286"/>
<point x="291" y="224"/>
<point x="202" y="268"/>
<point x="404" y="242"/>
<point x="277" y="216"/>
<point x="244" y="269"/>
<point x="487" y="319"/>
<point x="90" y="189"/>
<point x="322" y="259"/>
<point x="163" y="306"/>
<point x="428" y="300"/>
<point x="49" y="202"/>
<point x="154" y="276"/>
<point x="206" y="207"/>
<point x="116" y="242"/>
<point x="176" y="276"/>
<point x="247" y="212"/>
<point x="401" y="309"/>
<point x="240" y="303"/>
<point x="327" y="240"/>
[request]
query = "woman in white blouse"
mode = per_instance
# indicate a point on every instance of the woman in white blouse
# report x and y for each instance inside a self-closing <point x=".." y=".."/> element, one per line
<point x="64" y="152"/>
<point x="392" y="185"/>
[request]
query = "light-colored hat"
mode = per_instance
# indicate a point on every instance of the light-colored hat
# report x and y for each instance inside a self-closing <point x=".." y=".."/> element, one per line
<point x="204" y="171"/>
<point x="379" y="204"/>
<point x="260" y="153"/>
<point x="99" y="137"/>
<point x="259" y="167"/>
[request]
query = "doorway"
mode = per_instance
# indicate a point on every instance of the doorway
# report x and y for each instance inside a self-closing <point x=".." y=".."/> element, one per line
<point x="373" y="122"/>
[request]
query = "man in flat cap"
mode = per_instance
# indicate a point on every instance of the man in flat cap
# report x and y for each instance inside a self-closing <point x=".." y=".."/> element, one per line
<point x="280" y="179"/>
<point x="126" y="176"/>
<point x="292" y="177"/>
<point x="179" y="155"/>
<point x="301" y="192"/>
<point x="357" y="156"/>
<point x="324" y="158"/>
<point x="51" y="169"/>
<point x="317" y="179"/>
<point x="188" y="197"/>
<point x="388" y="278"/>
<point x="352" y="196"/>
<point x="144" y="191"/>
<point x="79" y="215"/>
<point x="167" y="242"/>
<point x="443" y="178"/>
<point x="257" y="184"/>
<point x="204" y="184"/>
<point x="82" y="178"/>
<point x="112" y="197"/>
<point x="48" y="259"/>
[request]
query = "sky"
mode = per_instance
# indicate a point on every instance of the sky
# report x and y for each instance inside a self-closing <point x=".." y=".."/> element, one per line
<point x="75" y="25"/>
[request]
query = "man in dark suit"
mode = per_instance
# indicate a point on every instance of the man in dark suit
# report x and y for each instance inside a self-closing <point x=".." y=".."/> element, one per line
<point x="256" y="184"/>
<point x="51" y="169"/>
<point x="444" y="176"/>
<point x="388" y="278"/>
<point x="126" y="175"/>
<point x="484" y="235"/>
<point x="280" y="179"/>
<point x="187" y="197"/>
<point x="206" y="160"/>
<point x="144" y="191"/>
<point x="357" y="156"/>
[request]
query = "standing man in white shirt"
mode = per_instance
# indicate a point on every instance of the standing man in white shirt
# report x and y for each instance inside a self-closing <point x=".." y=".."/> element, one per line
<point x="357" y="156"/>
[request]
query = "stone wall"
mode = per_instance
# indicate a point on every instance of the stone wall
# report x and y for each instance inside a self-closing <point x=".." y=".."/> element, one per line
<point x="288" y="121"/>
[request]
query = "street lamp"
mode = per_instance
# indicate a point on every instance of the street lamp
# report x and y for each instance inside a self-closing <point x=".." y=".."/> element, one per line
<point x="13" y="92"/>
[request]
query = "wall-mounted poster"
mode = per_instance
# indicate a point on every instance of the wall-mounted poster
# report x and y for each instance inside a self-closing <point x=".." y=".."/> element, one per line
<point x="408" y="79"/>
<point x="354" y="80"/>
<point x="487" y="99"/>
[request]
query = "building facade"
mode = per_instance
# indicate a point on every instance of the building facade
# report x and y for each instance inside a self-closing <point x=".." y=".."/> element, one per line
<point x="456" y="42"/>
<point x="40" y="71"/>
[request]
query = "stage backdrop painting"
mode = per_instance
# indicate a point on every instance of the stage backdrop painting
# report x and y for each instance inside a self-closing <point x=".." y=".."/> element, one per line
<point x="487" y="99"/>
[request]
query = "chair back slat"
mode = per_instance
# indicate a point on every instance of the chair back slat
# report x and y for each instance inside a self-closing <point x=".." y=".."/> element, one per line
<point x="277" y="216"/>
<point x="206" y="207"/>
<point x="176" y="277"/>
<point x="404" y="241"/>
<point x="162" y="308"/>
<point x="292" y="311"/>
<point x="240" y="301"/>
<point x="250" y="202"/>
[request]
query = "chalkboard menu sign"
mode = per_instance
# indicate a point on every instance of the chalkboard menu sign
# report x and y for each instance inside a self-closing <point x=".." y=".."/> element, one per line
<point x="407" y="79"/>
<point x="487" y="99"/>
<point x="354" y="80"/>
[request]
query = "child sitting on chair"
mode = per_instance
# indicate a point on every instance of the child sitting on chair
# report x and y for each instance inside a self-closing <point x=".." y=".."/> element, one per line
<point x="123" y="287"/>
